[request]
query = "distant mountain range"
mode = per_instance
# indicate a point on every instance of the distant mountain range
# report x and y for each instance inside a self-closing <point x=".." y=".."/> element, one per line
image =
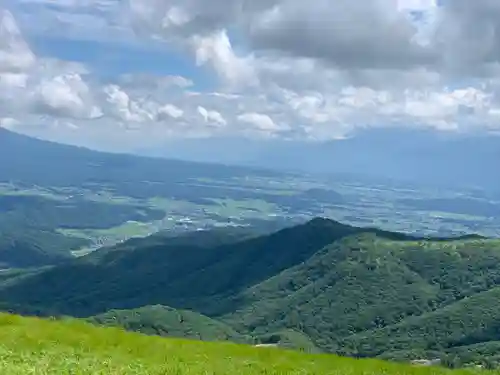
<point x="354" y="291"/>
<point x="425" y="157"/>
<point x="416" y="156"/>
<point x="35" y="161"/>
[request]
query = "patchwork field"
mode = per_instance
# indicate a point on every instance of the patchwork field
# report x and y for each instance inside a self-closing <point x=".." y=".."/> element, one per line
<point x="99" y="216"/>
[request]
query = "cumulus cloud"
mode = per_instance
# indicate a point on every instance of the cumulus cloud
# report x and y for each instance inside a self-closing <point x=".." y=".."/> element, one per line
<point x="459" y="38"/>
<point x="348" y="62"/>
<point x="371" y="34"/>
<point x="66" y="95"/>
<point x="43" y="86"/>
<point x="122" y="107"/>
<point x="170" y="111"/>
<point x="281" y="67"/>
<point x="348" y="34"/>
<point x="468" y="36"/>
<point x="184" y="18"/>
<point x="211" y="116"/>
<point x="217" y="50"/>
<point x="260" y="121"/>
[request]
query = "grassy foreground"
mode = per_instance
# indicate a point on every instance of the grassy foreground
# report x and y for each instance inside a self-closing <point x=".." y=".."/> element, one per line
<point x="36" y="346"/>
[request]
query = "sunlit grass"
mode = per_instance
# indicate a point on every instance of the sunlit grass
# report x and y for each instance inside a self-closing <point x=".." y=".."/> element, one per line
<point x="35" y="346"/>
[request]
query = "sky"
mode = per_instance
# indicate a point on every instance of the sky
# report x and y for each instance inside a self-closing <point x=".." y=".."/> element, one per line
<point x="120" y="73"/>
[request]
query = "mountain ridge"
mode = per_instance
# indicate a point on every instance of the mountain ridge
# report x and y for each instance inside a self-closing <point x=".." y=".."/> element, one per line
<point x="336" y="285"/>
<point x="404" y="154"/>
<point x="86" y="159"/>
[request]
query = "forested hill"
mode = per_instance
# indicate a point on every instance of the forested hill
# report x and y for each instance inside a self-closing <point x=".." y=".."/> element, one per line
<point x="354" y="291"/>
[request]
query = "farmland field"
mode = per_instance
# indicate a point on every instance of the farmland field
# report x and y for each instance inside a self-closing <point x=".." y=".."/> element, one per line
<point x="114" y="217"/>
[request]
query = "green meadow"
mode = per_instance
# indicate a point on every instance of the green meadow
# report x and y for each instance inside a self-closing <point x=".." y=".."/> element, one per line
<point x="37" y="346"/>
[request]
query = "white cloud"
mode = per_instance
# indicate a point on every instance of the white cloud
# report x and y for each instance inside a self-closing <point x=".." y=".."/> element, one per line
<point x="216" y="50"/>
<point x="154" y="82"/>
<point x="8" y="123"/>
<point x="349" y="35"/>
<point x="416" y="5"/>
<point x="312" y="107"/>
<point x="171" y="111"/>
<point x="338" y="65"/>
<point x="123" y="108"/>
<point x="211" y="116"/>
<point x="281" y="67"/>
<point x="66" y="95"/>
<point x="13" y="80"/>
<point x="260" y="121"/>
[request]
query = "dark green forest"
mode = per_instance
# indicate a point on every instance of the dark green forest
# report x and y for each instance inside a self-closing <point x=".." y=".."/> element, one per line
<point x="166" y="321"/>
<point x="328" y="286"/>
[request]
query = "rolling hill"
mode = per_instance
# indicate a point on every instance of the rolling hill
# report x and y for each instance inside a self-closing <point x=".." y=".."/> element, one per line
<point x="366" y="281"/>
<point x="469" y="321"/>
<point x="177" y="276"/>
<point x="22" y="247"/>
<point x="164" y="321"/>
<point x="355" y="291"/>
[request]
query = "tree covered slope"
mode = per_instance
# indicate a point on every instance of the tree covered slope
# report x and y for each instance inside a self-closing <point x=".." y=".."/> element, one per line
<point x="354" y="291"/>
<point x="182" y="276"/>
<point x="166" y="321"/>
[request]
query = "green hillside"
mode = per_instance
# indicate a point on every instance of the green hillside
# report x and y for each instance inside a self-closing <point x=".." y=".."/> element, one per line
<point x="34" y="346"/>
<point x="186" y="276"/>
<point x="165" y="321"/>
<point x="469" y="321"/>
<point x="168" y="322"/>
<point x="289" y="339"/>
<point x="317" y="286"/>
<point x="367" y="281"/>
<point x="22" y="246"/>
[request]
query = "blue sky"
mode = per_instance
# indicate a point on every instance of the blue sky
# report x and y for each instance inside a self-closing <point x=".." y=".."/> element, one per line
<point x="115" y="73"/>
<point x="110" y="60"/>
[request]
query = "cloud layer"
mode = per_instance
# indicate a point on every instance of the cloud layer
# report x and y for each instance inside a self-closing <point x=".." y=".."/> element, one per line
<point x="276" y="68"/>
